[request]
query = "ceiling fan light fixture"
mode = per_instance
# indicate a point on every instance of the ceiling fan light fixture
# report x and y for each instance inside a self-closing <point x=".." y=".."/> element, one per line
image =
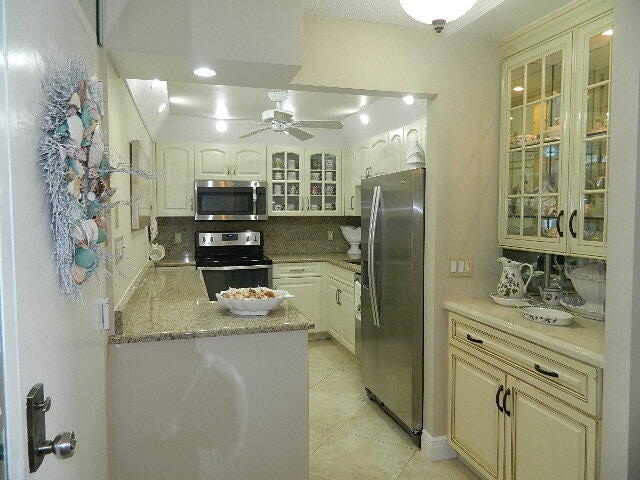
<point x="436" y="12"/>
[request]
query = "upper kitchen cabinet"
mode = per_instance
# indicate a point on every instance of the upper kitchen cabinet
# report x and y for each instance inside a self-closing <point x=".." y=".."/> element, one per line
<point x="230" y="162"/>
<point x="285" y="175"/>
<point x="396" y="150"/>
<point x="362" y="161"/>
<point x="351" y="194"/>
<point x="555" y="144"/>
<point x="175" y="161"/>
<point x="378" y="155"/>
<point x="414" y="132"/>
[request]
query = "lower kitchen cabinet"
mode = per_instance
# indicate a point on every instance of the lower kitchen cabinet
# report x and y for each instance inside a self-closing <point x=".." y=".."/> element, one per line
<point x="340" y="312"/>
<point x="507" y="417"/>
<point x="307" y="293"/>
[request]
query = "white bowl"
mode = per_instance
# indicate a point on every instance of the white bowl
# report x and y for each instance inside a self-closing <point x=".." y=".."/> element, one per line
<point x="575" y="304"/>
<point x="253" y="306"/>
<point x="511" y="302"/>
<point x="548" y="316"/>
<point x="589" y="282"/>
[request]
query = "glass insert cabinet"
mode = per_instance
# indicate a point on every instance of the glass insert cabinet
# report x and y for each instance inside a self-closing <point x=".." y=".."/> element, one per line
<point x="305" y="181"/>
<point x="555" y="143"/>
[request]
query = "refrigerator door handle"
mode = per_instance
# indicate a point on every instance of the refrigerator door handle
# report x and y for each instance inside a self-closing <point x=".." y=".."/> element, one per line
<point x="373" y="223"/>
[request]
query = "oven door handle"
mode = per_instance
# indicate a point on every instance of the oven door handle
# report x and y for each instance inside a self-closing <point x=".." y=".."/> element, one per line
<point x="236" y="267"/>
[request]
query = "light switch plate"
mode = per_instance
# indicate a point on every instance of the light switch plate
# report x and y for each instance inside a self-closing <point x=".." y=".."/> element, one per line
<point x="460" y="267"/>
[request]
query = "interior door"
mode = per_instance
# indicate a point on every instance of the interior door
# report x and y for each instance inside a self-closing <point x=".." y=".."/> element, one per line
<point x="46" y="338"/>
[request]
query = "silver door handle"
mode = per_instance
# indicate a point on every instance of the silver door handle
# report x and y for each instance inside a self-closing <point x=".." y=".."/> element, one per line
<point x="235" y="169"/>
<point x="308" y="203"/>
<point x="228" y="170"/>
<point x="191" y="203"/>
<point x="373" y="222"/>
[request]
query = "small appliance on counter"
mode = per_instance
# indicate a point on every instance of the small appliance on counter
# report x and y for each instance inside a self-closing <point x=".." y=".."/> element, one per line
<point x="232" y="260"/>
<point x="230" y="200"/>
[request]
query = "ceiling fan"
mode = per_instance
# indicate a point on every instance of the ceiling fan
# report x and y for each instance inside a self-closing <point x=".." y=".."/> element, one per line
<point x="281" y="120"/>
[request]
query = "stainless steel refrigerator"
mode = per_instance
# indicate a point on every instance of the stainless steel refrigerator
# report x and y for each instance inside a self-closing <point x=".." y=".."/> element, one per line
<point x="391" y="345"/>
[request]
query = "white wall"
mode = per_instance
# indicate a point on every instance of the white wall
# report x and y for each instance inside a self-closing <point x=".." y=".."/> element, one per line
<point x="621" y="414"/>
<point x="124" y="125"/>
<point x="462" y="152"/>
<point x="46" y="338"/>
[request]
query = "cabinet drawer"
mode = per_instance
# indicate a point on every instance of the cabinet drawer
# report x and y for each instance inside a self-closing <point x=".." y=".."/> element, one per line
<point x="340" y="274"/>
<point x="297" y="270"/>
<point x="568" y="379"/>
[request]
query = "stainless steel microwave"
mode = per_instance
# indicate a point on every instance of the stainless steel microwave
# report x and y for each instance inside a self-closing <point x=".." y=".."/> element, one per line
<point x="230" y="200"/>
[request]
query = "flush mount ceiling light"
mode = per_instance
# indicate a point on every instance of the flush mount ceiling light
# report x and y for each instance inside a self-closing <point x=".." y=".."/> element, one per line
<point x="205" y="72"/>
<point x="436" y="12"/>
<point x="408" y="99"/>
<point x="364" y="118"/>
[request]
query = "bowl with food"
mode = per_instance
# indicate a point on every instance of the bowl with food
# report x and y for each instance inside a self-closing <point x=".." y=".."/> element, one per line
<point x="252" y="301"/>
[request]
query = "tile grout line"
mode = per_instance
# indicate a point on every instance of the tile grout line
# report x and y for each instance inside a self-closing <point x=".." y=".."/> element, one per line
<point x="406" y="464"/>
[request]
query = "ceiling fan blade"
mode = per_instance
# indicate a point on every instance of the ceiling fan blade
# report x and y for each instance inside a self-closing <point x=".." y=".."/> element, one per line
<point x="299" y="134"/>
<point x="254" y="132"/>
<point x="280" y="116"/>
<point x="336" y="125"/>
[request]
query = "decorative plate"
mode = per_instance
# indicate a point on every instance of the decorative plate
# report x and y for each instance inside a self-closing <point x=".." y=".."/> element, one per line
<point x="574" y="304"/>
<point x="548" y="316"/>
<point x="511" y="302"/>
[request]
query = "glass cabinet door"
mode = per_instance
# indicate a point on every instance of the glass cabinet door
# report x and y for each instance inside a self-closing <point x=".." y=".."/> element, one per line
<point x="589" y="182"/>
<point x="285" y="181"/>
<point x="323" y="183"/>
<point x="534" y="148"/>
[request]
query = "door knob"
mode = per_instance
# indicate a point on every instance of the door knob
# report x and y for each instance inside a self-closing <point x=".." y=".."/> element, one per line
<point x="62" y="446"/>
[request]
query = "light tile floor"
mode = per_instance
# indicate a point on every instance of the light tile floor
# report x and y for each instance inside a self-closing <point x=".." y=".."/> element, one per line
<point x="350" y="438"/>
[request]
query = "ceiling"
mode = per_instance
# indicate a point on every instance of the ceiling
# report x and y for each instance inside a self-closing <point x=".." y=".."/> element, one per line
<point x="381" y="11"/>
<point x="225" y="102"/>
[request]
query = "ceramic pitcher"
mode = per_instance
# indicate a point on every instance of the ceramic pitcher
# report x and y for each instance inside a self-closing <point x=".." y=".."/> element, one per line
<point x="511" y="284"/>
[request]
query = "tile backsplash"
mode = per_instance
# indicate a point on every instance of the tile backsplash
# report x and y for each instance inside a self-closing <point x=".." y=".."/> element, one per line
<point x="282" y="235"/>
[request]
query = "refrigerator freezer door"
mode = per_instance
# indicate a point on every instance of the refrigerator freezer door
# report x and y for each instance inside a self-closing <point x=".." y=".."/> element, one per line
<point x="393" y="339"/>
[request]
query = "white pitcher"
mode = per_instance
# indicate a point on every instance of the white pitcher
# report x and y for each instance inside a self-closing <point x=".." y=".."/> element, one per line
<point x="511" y="284"/>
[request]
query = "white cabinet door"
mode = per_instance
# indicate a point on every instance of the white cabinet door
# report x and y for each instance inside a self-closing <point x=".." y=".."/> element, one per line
<point x="378" y="155"/>
<point x="212" y="162"/>
<point x="249" y="162"/>
<point x="348" y="317"/>
<point x="287" y="192"/>
<point x="351" y="196"/>
<point x="395" y="151"/>
<point x="175" y="188"/>
<point x="307" y="297"/>
<point x="363" y="164"/>
<point x="413" y="133"/>
<point x="332" y="310"/>
<point x="321" y="182"/>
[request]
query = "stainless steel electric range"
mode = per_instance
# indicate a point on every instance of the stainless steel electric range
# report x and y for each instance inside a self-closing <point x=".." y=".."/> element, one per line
<point x="232" y="260"/>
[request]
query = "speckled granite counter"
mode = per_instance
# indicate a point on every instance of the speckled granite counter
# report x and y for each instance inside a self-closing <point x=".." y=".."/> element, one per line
<point x="172" y="303"/>
<point x="337" y="259"/>
<point x="582" y="340"/>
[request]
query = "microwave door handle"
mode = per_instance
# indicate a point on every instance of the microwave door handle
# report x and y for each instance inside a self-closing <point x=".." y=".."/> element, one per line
<point x="255" y="200"/>
<point x="373" y="223"/>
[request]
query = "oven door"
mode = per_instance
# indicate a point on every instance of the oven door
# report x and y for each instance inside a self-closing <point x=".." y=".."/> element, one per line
<point x="230" y="200"/>
<point x="218" y="279"/>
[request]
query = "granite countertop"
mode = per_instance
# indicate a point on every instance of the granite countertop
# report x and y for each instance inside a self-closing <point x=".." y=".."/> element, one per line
<point x="337" y="259"/>
<point x="582" y="340"/>
<point x="172" y="303"/>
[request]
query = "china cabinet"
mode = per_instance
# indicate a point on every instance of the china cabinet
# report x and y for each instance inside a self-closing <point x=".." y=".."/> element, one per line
<point x="174" y="190"/>
<point x="518" y="410"/>
<point x="554" y="143"/>
<point x="230" y="162"/>
<point x="305" y="182"/>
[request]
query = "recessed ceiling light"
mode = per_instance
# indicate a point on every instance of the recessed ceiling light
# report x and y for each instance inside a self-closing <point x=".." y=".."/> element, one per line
<point x="155" y="83"/>
<point x="518" y="89"/>
<point x="608" y="33"/>
<point x="408" y="99"/>
<point x="221" y="126"/>
<point x="364" y="118"/>
<point x="162" y="107"/>
<point x="177" y="100"/>
<point x="205" y="72"/>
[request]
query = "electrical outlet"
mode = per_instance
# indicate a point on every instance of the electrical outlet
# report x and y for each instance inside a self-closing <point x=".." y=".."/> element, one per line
<point x="177" y="237"/>
<point x="460" y="267"/>
<point x="330" y="234"/>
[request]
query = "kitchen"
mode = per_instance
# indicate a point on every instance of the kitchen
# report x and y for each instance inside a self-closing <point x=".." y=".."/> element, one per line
<point x="470" y="141"/>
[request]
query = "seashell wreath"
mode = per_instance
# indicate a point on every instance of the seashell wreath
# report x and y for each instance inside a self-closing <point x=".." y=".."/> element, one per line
<point x="77" y="169"/>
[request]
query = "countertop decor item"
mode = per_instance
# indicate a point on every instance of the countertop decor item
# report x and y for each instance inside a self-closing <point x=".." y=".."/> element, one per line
<point x="353" y="236"/>
<point x="512" y="302"/>
<point x="77" y="169"/>
<point x="549" y="316"/>
<point x="252" y="306"/>
<point x="590" y="282"/>
<point x="415" y="156"/>
<point x="511" y="284"/>
<point x="575" y="304"/>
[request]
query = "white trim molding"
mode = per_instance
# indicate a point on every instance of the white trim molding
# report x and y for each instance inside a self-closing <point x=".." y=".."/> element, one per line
<point x="436" y="448"/>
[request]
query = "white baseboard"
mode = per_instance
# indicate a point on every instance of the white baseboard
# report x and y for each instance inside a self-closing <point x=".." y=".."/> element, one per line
<point x="436" y="448"/>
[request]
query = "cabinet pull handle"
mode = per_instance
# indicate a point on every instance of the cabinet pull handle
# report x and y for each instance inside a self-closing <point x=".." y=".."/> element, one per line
<point x="308" y="203"/>
<point x="235" y="169"/>
<point x="560" y="215"/>
<point x="337" y="296"/>
<point x="191" y="203"/>
<point x="573" y="215"/>
<point x="228" y="170"/>
<point x="352" y="199"/>
<point x="504" y="402"/>
<point x="474" y="340"/>
<point x="548" y="373"/>
<point x="500" y="389"/>
<point x="297" y="269"/>
<point x="339" y="299"/>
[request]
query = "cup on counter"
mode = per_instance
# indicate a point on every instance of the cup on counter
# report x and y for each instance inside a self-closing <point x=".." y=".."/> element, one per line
<point x="551" y="295"/>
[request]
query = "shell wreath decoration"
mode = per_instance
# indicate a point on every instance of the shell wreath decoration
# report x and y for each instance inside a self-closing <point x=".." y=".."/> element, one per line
<point x="77" y="168"/>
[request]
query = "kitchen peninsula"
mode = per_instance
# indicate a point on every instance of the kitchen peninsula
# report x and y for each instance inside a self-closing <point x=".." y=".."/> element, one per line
<point x="197" y="392"/>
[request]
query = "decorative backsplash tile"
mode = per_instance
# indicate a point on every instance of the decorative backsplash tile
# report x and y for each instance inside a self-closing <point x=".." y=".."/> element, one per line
<point x="283" y="235"/>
